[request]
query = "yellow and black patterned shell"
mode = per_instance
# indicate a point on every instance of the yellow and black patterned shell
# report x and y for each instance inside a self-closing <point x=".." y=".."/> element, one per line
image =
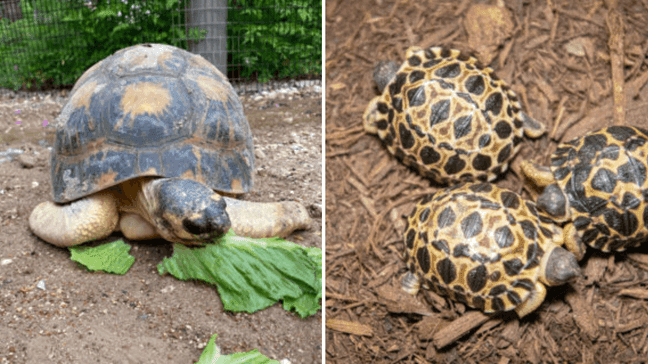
<point x="603" y="175"/>
<point x="151" y="110"/>
<point x="448" y="117"/>
<point x="478" y="244"/>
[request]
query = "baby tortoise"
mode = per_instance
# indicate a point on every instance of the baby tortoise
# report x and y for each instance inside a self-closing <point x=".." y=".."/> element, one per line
<point x="149" y="143"/>
<point x="486" y="247"/>
<point x="447" y="116"/>
<point x="597" y="186"/>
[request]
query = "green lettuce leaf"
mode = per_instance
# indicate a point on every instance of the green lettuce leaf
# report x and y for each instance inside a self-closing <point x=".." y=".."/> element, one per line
<point x="252" y="274"/>
<point x="110" y="258"/>
<point x="211" y="355"/>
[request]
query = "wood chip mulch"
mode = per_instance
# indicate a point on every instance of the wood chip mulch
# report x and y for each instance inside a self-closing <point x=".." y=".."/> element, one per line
<point x="577" y="66"/>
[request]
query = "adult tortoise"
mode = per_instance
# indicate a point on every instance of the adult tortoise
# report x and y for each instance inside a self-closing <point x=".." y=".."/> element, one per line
<point x="444" y="114"/>
<point x="597" y="186"/>
<point x="486" y="247"/>
<point x="154" y="142"/>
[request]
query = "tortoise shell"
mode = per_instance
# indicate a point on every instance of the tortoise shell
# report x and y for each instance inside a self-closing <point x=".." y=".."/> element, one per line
<point x="603" y="175"/>
<point x="449" y="117"/>
<point x="480" y="245"/>
<point x="110" y="131"/>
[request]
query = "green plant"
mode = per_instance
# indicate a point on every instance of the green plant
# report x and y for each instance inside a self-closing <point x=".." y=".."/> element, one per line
<point x="77" y="33"/>
<point x="57" y="40"/>
<point x="275" y="38"/>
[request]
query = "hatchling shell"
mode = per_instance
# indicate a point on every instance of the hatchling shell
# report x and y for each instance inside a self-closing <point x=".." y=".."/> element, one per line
<point x="196" y="129"/>
<point x="449" y="117"/>
<point x="603" y="175"/>
<point x="480" y="245"/>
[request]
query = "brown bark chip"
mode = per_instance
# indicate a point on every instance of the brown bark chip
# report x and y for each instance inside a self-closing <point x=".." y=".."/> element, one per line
<point x="615" y="24"/>
<point x="566" y="61"/>
<point x="461" y="326"/>
<point x="349" y="327"/>
<point x="583" y="315"/>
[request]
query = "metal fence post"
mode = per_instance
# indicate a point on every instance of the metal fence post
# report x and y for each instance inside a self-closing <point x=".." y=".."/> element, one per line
<point x="210" y="15"/>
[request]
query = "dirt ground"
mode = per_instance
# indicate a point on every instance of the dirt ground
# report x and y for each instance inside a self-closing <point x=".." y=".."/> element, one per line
<point x="557" y="57"/>
<point x="142" y="317"/>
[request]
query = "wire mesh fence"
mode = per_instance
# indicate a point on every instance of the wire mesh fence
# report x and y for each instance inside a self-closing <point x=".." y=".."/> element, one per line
<point x="50" y="43"/>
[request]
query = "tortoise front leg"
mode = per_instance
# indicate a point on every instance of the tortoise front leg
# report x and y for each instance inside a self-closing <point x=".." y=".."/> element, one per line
<point x="541" y="176"/>
<point x="135" y="227"/>
<point x="264" y="220"/>
<point x="534" y="300"/>
<point x="90" y="218"/>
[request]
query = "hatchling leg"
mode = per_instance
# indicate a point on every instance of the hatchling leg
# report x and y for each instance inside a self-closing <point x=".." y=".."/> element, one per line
<point x="532" y="127"/>
<point x="541" y="176"/>
<point x="369" y="116"/>
<point x="264" y="220"/>
<point x="93" y="217"/>
<point x="573" y="241"/>
<point x="533" y="302"/>
<point x="411" y="283"/>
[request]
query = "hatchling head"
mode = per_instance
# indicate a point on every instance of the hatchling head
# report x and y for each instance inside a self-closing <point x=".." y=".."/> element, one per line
<point x="447" y="116"/>
<point x="154" y="142"/>
<point x="597" y="186"/>
<point x="486" y="247"/>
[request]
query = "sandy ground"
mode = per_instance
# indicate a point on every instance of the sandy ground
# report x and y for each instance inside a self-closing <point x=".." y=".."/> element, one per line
<point x="142" y="317"/>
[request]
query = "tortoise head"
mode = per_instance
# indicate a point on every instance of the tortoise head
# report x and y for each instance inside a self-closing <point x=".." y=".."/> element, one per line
<point x="185" y="211"/>
<point x="559" y="267"/>
<point x="555" y="203"/>
<point x="384" y="72"/>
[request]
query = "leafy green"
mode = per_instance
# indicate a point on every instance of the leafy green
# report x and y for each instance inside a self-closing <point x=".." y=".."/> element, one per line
<point x="211" y="355"/>
<point x="252" y="274"/>
<point x="308" y="302"/>
<point x="275" y="38"/>
<point x="110" y="258"/>
<point x="56" y="41"/>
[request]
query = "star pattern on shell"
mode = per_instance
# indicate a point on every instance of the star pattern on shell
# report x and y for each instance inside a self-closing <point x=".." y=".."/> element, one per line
<point x="447" y="116"/>
<point x="486" y="247"/>
<point x="597" y="184"/>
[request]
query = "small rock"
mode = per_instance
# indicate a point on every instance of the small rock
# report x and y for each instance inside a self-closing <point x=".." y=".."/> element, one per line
<point x="488" y="27"/>
<point x="167" y="289"/>
<point x="581" y="47"/>
<point x="315" y="210"/>
<point x="26" y="161"/>
<point x="5" y="261"/>
<point x="41" y="284"/>
<point x="9" y="153"/>
<point x="259" y="154"/>
<point x="34" y="184"/>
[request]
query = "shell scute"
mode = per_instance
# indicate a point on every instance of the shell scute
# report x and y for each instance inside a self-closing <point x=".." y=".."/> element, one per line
<point x="454" y="119"/>
<point x="603" y="175"/>
<point x="477" y="256"/>
<point x="151" y="110"/>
